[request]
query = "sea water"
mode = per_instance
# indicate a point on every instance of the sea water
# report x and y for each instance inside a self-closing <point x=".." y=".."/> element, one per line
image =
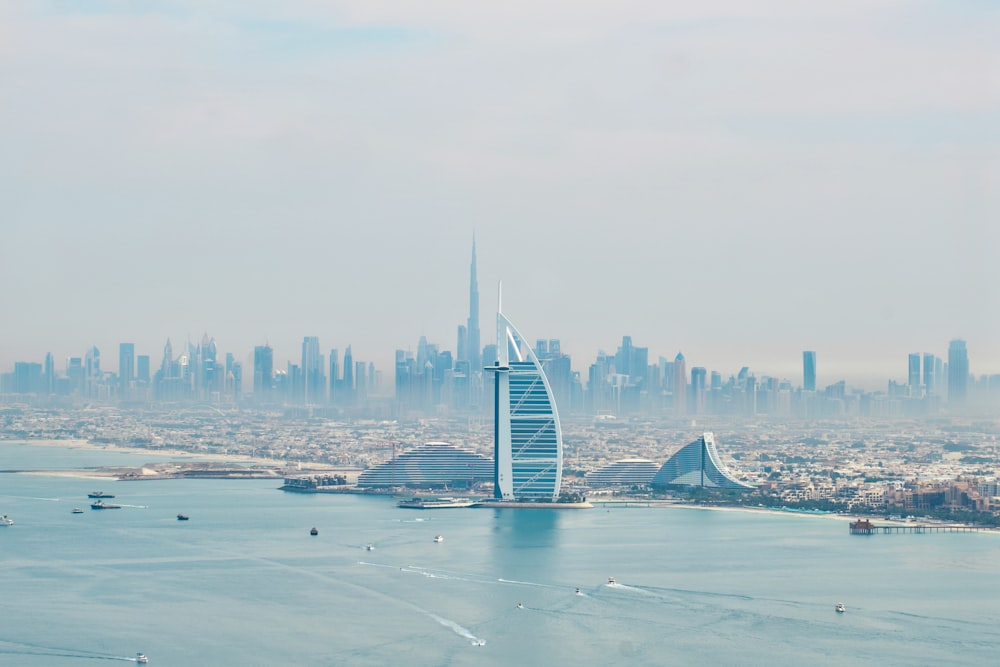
<point x="243" y="582"/>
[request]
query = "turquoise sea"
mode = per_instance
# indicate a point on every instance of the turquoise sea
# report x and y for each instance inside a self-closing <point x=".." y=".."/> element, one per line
<point x="243" y="583"/>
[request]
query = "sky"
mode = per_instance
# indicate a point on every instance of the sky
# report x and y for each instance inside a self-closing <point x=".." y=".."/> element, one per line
<point x="738" y="181"/>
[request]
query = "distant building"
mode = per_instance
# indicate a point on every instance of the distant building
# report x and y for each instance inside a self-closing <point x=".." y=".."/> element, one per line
<point x="313" y="379"/>
<point x="958" y="372"/>
<point x="126" y="368"/>
<point x="698" y="377"/>
<point x="809" y="370"/>
<point x="263" y="370"/>
<point x="913" y="373"/>
<point x="680" y="385"/>
<point x="930" y="376"/>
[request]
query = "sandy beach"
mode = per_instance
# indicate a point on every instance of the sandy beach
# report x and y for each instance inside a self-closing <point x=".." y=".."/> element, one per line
<point x="173" y="453"/>
<point x="177" y="460"/>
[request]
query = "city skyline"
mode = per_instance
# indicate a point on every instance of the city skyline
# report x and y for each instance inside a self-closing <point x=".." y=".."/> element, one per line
<point x="737" y="183"/>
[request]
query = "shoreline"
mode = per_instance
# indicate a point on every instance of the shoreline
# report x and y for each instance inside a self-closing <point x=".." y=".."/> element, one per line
<point x="174" y="463"/>
<point x="86" y="445"/>
<point x="176" y="469"/>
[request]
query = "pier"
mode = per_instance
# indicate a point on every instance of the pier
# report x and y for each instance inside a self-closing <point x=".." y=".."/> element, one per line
<point x="866" y="527"/>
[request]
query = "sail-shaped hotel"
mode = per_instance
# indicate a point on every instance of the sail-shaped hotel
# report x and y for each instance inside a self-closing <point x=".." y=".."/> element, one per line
<point x="527" y="436"/>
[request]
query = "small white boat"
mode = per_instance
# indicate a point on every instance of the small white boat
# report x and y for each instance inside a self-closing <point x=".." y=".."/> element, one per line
<point x="369" y="547"/>
<point x="579" y="592"/>
<point x="439" y="538"/>
<point x="840" y="608"/>
<point x="6" y="521"/>
<point x="612" y="582"/>
<point x="141" y="657"/>
<point x="77" y="510"/>
<point x="520" y="606"/>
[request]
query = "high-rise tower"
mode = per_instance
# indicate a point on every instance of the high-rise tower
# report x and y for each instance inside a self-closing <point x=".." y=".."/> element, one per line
<point x="527" y="434"/>
<point x="314" y="384"/>
<point x="809" y="370"/>
<point x="263" y="371"/>
<point x="930" y="377"/>
<point x="958" y="372"/>
<point x="126" y="368"/>
<point x="473" y="348"/>
<point x="680" y="385"/>
<point x="913" y="372"/>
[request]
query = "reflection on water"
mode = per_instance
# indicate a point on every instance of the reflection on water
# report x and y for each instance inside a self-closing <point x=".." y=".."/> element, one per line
<point x="519" y="528"/>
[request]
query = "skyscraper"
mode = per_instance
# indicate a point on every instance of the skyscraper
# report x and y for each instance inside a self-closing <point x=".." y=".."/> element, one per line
<point x="809" y="370"/>
<point x="346" y="396"/>
<point x="126" y="368"/>
<point x="263" y="370"/>
<point x="91" y="372"/>
<point x="698" y="376"/>
<point x="473" y="348"/>
<point x="680" y="385"/>
<point x="314" y="384"/>
<point x="913" y="372"/>
<point x="527" y="434"/>
<point x="334" y="374"/>
<point x="142" y="369"/>
<point x="958" y="372"/>
<point x="50" y="374"/>
<point x="930" y="377"/>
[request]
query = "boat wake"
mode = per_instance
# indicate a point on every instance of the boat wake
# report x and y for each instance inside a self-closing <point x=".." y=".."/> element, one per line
<point x="458" y="629"/>
<point x="618" y="586"/>
<point x="19" y="648"/>
<point x="527" y="583"/>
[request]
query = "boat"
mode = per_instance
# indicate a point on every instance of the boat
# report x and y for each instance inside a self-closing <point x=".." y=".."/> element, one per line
<point x="479" y="642"/>
<point x="435" y="503"/>
<point x="77" y="510"/>
<point x="141" y="657"/>
<point x="520" y="606"/>
<point x="314" y="531"/>
<point x="612" y="582"/>
<point x="369" y="547"/>
<point x="6" y="521"/>
<point x="183" y="517"/>
<point x="439" y="538"/>
<point x="579" y="592"/>
<point x="840" y="608"/>
<point x="101" y="505"/>
<point x="99" y="494"/>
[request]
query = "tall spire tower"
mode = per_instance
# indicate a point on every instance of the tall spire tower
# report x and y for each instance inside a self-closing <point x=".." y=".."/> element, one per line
<point x="474" y="349"/>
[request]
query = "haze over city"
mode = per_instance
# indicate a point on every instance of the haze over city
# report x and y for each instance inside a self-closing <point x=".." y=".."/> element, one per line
<point x="737" y="183"/>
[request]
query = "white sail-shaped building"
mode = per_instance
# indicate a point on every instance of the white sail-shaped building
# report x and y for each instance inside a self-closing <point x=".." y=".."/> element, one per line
<point x="527" y="435"/>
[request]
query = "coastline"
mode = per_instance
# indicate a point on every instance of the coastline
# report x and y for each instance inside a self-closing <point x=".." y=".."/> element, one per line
<point x="86" y="445"/>
<point x="185" y="464"/>
<point x="175" y="462"/>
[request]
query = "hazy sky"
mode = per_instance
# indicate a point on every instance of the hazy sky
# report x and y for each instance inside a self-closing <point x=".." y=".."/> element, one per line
<point x="736" y="180"/>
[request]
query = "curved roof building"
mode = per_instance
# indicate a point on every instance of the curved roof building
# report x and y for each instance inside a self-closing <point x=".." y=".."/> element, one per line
<point x="698" y="464"/>
<point x="527" y="435"/>
<point x="624" y="472"/>
<point x="435" y="464"/>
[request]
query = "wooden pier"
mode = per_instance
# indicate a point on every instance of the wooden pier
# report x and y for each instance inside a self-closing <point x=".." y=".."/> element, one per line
<point x="866" y="527"/>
